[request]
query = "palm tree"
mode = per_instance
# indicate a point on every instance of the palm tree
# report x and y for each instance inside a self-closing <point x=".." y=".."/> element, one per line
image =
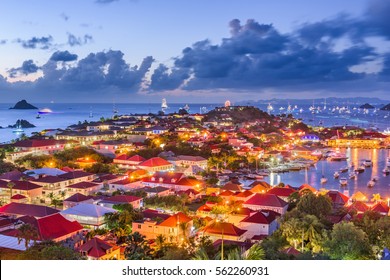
<point x="63" y="194"/>
<point x="183" y="226"/>
<point x="27" y="232"/>
<point x="10" y="185"/>
<point x="376" y="197"/>
<point x="256" y="252"/>
<point x="160" y="240"/>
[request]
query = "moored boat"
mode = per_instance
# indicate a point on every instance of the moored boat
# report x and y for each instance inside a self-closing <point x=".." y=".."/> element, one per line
<point x="343" y="181"/>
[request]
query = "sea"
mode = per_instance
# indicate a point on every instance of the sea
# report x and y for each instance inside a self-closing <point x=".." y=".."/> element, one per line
<point x="65" y="114"/>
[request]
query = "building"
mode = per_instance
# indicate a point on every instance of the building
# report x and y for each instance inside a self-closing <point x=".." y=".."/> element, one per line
<point x="16" y="210"/>
<point x="260" y="223"/>
<point x="97" y="249"/>
<point x="224" y="231"/>
<point x="135" y="201"/>
<point x="266" y="202"/>
<point x="31" y="191"/>
<point x="124" y="161"/>
<point x="354" y="143"/>
<point x="87" y="214"/>
<point x="76" y="199"/>
<point x="156" y="164"/>
<point x="187" y="161"/>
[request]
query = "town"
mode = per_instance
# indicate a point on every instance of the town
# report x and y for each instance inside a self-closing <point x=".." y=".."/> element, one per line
<point x="188" y="186"/>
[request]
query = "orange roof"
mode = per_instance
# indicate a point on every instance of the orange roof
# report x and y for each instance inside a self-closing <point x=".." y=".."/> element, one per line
<point x="229" y="186"/>
<point x="204" y="208"/>
<point x="244" y="194"/>
<point x="155" y="161"/>
<point x="226" y="193"/>
<point x="224" y="228"/>
<point x="307" y="187"/>
<point x="281" y="192"/>
<point x="175" y="220"/>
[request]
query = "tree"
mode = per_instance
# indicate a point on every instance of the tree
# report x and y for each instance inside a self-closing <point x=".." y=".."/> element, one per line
<point x="292" y="231"/>
<point x="49" y="250"/>
<point x="348" y="242"/>
<point x="10" y="185"/>
<point x="138" y="248"/>
<point x="319" y="206"/>
<point x="26" y="233"/>
<point x="256" y="252"/>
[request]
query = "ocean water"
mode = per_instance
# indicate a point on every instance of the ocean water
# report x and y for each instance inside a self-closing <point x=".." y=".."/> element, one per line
<point x="327" y="168"/>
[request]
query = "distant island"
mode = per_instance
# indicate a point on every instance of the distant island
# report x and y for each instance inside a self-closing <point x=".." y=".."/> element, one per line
<point x="386" y="108"/>
<point x="23" y="105"/>
<point x="367" y="106"/>
<point x="22" y="124"/>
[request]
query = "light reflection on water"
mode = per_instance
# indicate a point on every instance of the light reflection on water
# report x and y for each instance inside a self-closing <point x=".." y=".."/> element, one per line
<point x="356" y="157"/>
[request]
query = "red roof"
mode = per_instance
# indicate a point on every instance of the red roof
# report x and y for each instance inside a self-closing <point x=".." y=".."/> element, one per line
<point x="359" y="206"/>
<point x="31" y="143"/>
<point x="164" y="178"/>
<point x="244" y="194"/>
<point x="18" y="196"/>
<point x="226" y="193"/>
<point x="20" y="185"/>
<point x="205" y="208"/>
<point x="77" y="197"/>
<point x="175" y="220"/>
<point x="123" y="198"/>
<point x="281" y="192"/>
<point x="380" y="207"/>
<point x="95" y="247"/>
<point x="75" y="174"/>
<point x="337" y="197"/>
<point x="155" y="161"/>
<point x="261" y="217"/>
<point x="189" y="182"/>
<point x="137" y="158"/>
<point x="56" y="226"/>
<point x="266" y="200"/>
<point x="22" y="209"/>
<point x="83" y="185"/>
<point x="225" y="228"/>
<point x="229" y="186"/>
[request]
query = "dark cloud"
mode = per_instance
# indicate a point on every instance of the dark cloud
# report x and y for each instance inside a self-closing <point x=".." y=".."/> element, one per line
<point x="28" y="67"/>
<point x="79" y="41"/>
<point x="377" y="13"/>
<point x="164" y="78"/>
<point x="36" y="43"/>
<point x="64" y="56"/>
<point x="258" y="56"/>
<point x="3" y="42"/>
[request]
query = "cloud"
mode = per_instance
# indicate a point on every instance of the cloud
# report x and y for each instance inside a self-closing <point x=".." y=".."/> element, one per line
<point x="28" y="67"/>
<point x="64" y="56"/>
<point x="43" y="43"/>
<point x="258" y="56"/>
<point x="3" y="42"/>
<point x="105" y="1"/>
<point x="64" y="16"/>
<point x="79" y="41"/>
<point x="377" y="14"/>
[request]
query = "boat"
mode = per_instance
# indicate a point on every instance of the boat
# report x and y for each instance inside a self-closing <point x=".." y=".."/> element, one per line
<point x="38" y="116"/>
<point x="336" y="175"/>
<point x="164" y="104"/>
<point x="337" y="156"/>
<point x="371" y="184"/>
<point x="186" y="107"/>
<point x="386" y="170"/>
<point x="367" y="163"/>
<point x="343" y="181"/>
<point x="323" y="180"/>
<point x="45" y="111"/>
<point x="344" y="169"/>
<point x="18" y="129"/>
<point x="254" y="177"/>
<point x="375" y="179"/>
<point x="269" y="108"/>
<point x="360" y="169"/>
<point x="352" y="175"/>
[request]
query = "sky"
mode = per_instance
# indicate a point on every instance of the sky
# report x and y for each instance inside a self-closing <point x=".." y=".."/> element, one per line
<point x="193" y="51"/>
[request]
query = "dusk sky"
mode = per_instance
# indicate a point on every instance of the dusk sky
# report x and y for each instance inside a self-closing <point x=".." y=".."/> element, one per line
<point x="193" y="51"/>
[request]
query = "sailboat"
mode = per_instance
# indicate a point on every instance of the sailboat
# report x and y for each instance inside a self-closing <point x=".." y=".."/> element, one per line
<point x="186" y="107"/>
<point x="18" y="128"/>
<point x="269" y="108"/>
<point x="114" y="109"/>
<point x="323" y="178"/>
<point x="164" y="104"/>
<point x="90" y="113"/>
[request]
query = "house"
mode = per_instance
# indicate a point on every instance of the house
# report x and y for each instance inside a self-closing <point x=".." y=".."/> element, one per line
<point x="260" y="223"/>
<point x="134" y="201"/>
<point x="358" y="207"/>
<point x="173" y="228"/>
<point x="381" y="208"/>
<point x="125" y="161"/>
<point x="31" y="191"/>
<point x="36" y="146"/>
<point x="86" y="188"/>
<point x="266" y="202"/>
<point x="156" y="164"/>
<point x="76" y="199"/>
<point x="97" y="249"/>
<point x="16" y="210"/>
<point x="338" y="199"/>
<point x="187" y="161"/>
<point x="87" y="214"/>
<point x="259" y="187"/>
<point x="173" y="180"/>
<point x="282" y="193"/>
<point x="223" y="230"/>
<point x="242" y="196"/>
<point x="230" y="186"/>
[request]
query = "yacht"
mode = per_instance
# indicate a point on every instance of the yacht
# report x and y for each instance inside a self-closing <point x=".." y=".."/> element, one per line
<point x="186" y="107"/>
<point x="344" y="169"/>
<point x="367" y="163"/>
<point x="45" y="111"/>
<point x="371" y="183"/>
<point x="323" y="180"/>
<point x="386" y="170"/>
<point x="336" y="175"/>
<point x="360" y="169"/>
<point x="352" y="175"/>
<point x="164" y="104"/>
<point x="343" y="181"/>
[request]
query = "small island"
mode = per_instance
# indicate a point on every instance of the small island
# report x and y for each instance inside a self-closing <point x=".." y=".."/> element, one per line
<point x="386" y="108"/>
<point x="23" y="105"/>
<point x="22" y="124"/>
<point x="367" y="106"/>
